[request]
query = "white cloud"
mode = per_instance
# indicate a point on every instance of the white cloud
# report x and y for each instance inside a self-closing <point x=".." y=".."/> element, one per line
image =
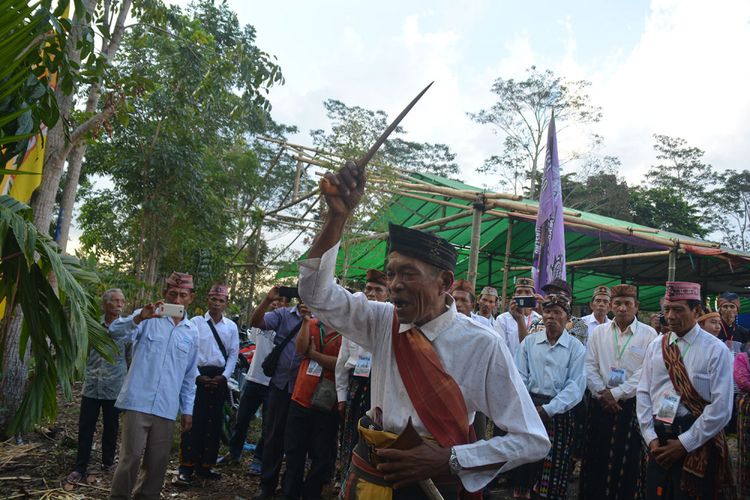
<point x="686" y="77"/>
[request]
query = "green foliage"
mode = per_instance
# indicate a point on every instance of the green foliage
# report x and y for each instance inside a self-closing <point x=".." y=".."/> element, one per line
<point x="521" y="116"/>
<point x="354" y="129"/>
<point x="665" y="208"/>
<point x="32" y="48"/>
<point x="185" y="179"/>
<point x="59" y="327"/>
<point x="731" y="200"/>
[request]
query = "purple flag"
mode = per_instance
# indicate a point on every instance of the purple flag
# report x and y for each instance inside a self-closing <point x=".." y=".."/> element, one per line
<point x="549" y="247"/>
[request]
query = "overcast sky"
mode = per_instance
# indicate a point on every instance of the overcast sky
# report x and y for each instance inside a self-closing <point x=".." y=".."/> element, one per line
<point x="674" y="67"/>
<point x="669" y="66"/>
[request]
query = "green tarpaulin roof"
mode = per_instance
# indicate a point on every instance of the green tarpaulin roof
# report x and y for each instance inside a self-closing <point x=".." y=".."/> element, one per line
<point x="717" y="269"/>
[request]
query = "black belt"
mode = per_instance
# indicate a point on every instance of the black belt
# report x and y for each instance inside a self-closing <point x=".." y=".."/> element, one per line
<point x="211" y="371"/>
<point x="540" y="399"/>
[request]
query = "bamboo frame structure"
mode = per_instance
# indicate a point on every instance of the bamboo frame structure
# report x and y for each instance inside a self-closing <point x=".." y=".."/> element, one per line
<point x="606" y="258"/>
<point x="497" y="205"/>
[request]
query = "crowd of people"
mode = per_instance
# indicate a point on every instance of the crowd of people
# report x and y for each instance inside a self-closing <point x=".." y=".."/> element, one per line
<point x="413" y="388"/>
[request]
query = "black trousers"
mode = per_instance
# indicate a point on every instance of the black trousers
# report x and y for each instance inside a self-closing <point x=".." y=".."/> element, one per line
<point x="312" y="433"/>
<point x="86" y="427"/>
<point x="274" y="424"/>
<point x="199" y="446"/>
<point x="253" y="395"/>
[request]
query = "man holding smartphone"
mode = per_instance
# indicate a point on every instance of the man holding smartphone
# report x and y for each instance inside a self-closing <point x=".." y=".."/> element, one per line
<point x="514" y="324"/>
<point x="160" y="382"/>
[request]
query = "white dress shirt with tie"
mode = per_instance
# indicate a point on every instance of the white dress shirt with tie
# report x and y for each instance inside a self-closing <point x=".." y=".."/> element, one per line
<point x="709" y="365"/>
<point x="608" y="348"/>
<point x="476" y="357"/>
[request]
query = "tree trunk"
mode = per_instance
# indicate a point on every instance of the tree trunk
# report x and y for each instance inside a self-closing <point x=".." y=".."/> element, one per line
<point x="57" y="148"/>
<point x="15" y="373"/>
<point x="75" y="157"/>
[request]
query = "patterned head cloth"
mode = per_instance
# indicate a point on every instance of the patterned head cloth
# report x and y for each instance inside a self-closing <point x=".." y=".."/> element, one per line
<point x="556" y="299"/>
<point x="375" y="276"/>
<point x="180" y="280"/>
<point x="525" y="283"/>
<point x="708" y="315"/>
<point x="488" y="290"/>
<point x="558" y="286"/>
<point x="624" y="291"/>
<point x="729" y="297"/>
<point x="601" y="290"/>
<point x="463" y="286"/>
<point x="219" y="289"/>
<point x="428" y="248"/>
<point x="682" y="290"/>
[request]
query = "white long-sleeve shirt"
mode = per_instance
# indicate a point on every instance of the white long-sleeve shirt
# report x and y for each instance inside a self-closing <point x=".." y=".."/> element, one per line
<point x="601" y="357"/>
<point x="553" y="370"/>
<point x="209" y="353"/>
<point x="476" y="357"/>
<point x="346" y="361"/>
<point x="507" y="327"/>
<point x="709" y="366"/>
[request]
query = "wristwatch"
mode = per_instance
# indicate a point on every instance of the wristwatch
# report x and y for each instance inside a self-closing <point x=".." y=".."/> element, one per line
<point x="453" y="464"/>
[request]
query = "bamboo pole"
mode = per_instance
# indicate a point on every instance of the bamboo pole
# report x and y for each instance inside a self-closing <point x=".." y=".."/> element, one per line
<point x="424" y="225"/>
<point x="506" y="262"/>
<point x="434" y="200"/>
<point x="476" y="235"/>
<point x="294" y="202"/>
<point x="607" y="258"/>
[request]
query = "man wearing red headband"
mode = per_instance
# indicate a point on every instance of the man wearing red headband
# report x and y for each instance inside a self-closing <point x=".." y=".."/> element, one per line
<point x="218" y="348"/>
<point x="159" y="383"/>
<point x="733" y="334"/>
<point x="684" y="400"/>
<point x="614" y="359"/>
<point x="432" y="368"/>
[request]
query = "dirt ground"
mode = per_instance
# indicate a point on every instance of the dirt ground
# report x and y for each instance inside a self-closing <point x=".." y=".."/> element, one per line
<point x="38" y="468"/>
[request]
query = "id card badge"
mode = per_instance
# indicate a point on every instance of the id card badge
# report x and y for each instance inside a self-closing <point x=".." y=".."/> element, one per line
<point x="667" y="411"/>
<point x="616" y="377"/>
<point x="362" y="368"/>
<point x="314" y="369"/>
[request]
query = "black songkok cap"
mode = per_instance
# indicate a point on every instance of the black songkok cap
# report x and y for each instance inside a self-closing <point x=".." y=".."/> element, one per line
<point x="428" y="248"/>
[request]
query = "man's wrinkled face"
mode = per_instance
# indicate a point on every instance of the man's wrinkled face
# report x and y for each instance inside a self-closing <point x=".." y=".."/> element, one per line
<point x="415" y="288"/>
<point x="680" y="318"/>
<point x="625" y="309"/>
<point x="712" y="325"/>
<point x="180" y="296"/>
<point x="728" y="312"/>
<point x="600" y="305"/>
<point x="487" y="304"/>
<point x="464" y="302"/>
<point x="554" y="318"/>
<point x="376" y="291"/>
<point x="114" y="305"/>
<point x="216" y="304"/>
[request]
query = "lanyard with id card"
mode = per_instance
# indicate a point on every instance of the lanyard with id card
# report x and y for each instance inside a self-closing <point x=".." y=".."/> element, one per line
<point x="617" y="374"/>
<point x="364" y="363"/>
<point x="670" y="402"/>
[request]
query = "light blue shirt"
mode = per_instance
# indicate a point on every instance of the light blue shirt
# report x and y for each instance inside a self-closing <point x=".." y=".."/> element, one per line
<point x="162" y="375"/>
<point x="553" y="370"/>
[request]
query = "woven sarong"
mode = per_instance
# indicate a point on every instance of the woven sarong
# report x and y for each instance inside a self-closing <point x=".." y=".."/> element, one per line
<point x="613" y="453"/>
